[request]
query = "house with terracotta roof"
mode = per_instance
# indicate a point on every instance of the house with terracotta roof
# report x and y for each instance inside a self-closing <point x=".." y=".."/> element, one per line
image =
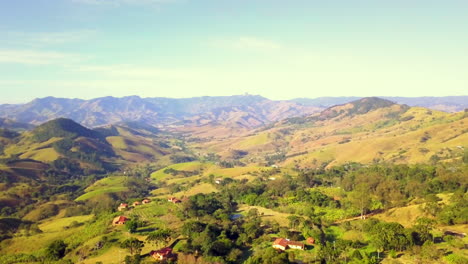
<point x="122" y="207"/>
<point x="146" y="201"/>
<point x="119" y="220"/>
<point x="296" y="245"/>
<point x="283" y="244"/>
<point x="136" y="203"/>
<point x="280" y="243"/>
<point x="174" y="200"/>
<point x="162" y="254"/>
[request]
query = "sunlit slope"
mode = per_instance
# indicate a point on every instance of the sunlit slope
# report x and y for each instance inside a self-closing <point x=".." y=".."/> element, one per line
<point x="113" y="184"/>
<point x="369" y="131"/>
<point x="134" y="143"/>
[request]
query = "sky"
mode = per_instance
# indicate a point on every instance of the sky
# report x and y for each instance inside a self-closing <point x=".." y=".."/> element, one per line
<point x="280" y="49"/>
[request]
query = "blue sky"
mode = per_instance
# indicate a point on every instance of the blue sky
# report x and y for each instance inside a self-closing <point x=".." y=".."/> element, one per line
<point x="278" y="49"/>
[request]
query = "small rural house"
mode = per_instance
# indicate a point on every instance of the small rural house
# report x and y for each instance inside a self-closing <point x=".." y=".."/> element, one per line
<point x="174" y="200"/>
<point x="280" y="243"/>
<point x="296" y="245"/>
<point x="146" y="201"/>
<point x="283" y="244"/>
<point x="122" y="207"/>
<point x="136" y="203"/>
<point x="119" y="220"/>
<point x="162" y="254"/>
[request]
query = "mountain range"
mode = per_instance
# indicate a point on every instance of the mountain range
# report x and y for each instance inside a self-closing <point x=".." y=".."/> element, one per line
<point x="237" y="112"/>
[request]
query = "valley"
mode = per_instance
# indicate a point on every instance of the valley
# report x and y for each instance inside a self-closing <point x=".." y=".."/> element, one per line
<point x="220" y="179"/>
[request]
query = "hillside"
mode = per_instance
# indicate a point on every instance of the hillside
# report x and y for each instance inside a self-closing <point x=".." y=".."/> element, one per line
<point x="367" y="130"/>
<point x="222" y="192"/>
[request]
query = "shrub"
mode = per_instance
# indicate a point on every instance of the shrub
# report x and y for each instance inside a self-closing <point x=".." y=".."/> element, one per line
<point x="56" y="250"/>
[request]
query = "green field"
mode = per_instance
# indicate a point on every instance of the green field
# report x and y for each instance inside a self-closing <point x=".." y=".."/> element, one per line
<point x="110" y="184"/>
<point x="188" y="166"/>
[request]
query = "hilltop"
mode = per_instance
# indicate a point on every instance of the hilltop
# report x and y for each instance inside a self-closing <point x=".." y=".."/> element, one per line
<point x="444" y="103"/>
<point x="366" y="130"/>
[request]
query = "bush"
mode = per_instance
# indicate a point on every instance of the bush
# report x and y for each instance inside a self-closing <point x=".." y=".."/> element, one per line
<point x="56" y="250"/>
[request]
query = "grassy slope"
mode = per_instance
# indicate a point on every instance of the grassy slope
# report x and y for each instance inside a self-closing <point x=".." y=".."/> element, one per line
<point x="27" y="149"/>
<point x="44" y="155"/>
<point x="52" y="229"/>
<point x="106" y="185"/>
<point x="360" y="138"/>
<point x="267" y="214"/>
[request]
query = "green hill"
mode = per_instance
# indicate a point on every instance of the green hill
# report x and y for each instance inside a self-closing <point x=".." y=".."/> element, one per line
<point x="62" y="127"/>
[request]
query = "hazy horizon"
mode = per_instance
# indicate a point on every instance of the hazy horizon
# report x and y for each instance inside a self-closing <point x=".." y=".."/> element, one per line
<point x="297" y="98"/>
<point x="187" y="48"/>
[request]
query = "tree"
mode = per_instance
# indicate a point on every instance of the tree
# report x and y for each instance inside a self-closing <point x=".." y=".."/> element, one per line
<point x="422" y="229"/>
<point x="234" y="255"/>
<point x="133" y="245"/>
<point x="160" y="236"/>
<point x="131" y="226"/>
<point x="294" y="221"/>
<point x="389" y="236"/>
<point x="56" y="250"/>
<point x="360" y="198"/>
<point x="133" y="260"/>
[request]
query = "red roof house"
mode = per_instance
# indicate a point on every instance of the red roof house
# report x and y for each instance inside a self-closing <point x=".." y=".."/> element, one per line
<point x="283" y="244"/>
<point x="296" y="245"/>
<point x="122" y="207"/>
<point x="280" y="243"/>
<point x="161" y="254"/>
<point x="119" y="220"/>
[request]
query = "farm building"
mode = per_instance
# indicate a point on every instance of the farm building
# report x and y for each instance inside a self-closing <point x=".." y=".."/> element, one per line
<point x="136" y="203"/>
<point x="146" y="201"/>
<point x="283" y="244"/>
<point x="162" y="254"/>
<point x="122" y="207"/>
<point x="280" y="243"/>
<point x="119" y="220"/>
<point x="174" y="200"/>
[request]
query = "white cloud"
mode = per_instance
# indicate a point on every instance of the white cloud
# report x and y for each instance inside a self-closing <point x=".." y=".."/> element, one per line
<point x="246" y="43"/>
<point x="34" y="57"/>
